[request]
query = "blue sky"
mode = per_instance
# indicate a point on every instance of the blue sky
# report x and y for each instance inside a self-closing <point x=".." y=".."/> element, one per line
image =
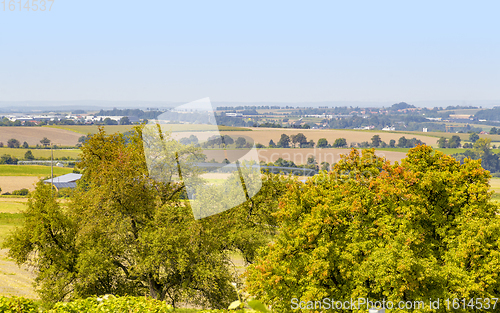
<point x="281" y="51"/>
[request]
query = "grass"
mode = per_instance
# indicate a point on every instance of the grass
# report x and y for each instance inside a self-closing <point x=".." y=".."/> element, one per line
<point x="41" y="153"/>
<point x="8" y="222"/>
<point x="32" y="170"/>
<point x="12" y="205"/>
<point x="110" y="129"/>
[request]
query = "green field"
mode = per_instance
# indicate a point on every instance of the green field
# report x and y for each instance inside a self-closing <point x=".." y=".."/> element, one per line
<point x="8" y="222"/>
<point x="41" y="153"/>
<point x="32" y="170"/>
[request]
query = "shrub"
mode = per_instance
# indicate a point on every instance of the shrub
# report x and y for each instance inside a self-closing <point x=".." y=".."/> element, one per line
<point x="17" y="304"/>
<point x="21" y="192"/>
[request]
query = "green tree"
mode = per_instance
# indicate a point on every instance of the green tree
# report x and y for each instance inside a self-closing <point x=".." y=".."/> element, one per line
<point x="125" y="121"/>
<point x="25" y="145"/>
<point x="322" y="143"/>
<point x="392" y="143"/>
<point x="339" y="143"/>
<point x="455" y="141"/>
<point x="240" y="142"/>
<point x="422" y="229"/>
<point x="493" y="131"/>
<point x="8" y="159"/>
<point x="29" y="155"/>
<point x="284" y="141"/>
<point x="376" y="141"/>
<point x="402" y="142"/>
<point x="325" y="166"/>
<point x="124" y="232"/>
<point x="473" y="137"/>
<point x="299" y="139"/>
<point x="272" y="144"/>
<point x="45" y="141"/>
<point x="13" y="143"/>
<point x="442" y="142"/>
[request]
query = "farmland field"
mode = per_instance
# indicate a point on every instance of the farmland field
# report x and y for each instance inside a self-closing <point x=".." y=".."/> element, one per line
<point x="33" y="135"/>
<point x="31" y="170"/>
<point x="263" y="135"/>
<point x="41" y="153"/>
<point x="15" y="281"/>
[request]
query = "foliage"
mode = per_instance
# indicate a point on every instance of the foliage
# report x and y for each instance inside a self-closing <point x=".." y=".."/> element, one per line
<point x="421" y="229"/>
<point x="376" y="141"/>
<point x="340" y="142"/>
<point x="17" y="305"/>
<point x="8" y="159"/>
<point x="300" y="139"/>
<point x="474" y="137"/>
<point x="13" y="143"/>
<point x="45" y="141"/>
<point x="284" y="141"/>
<point x="21" y="192"/>
<point x="29" y="155"/>
<point x="322" y="143"/>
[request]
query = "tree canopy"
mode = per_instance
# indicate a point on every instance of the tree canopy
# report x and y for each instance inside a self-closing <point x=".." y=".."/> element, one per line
<point x="125" y="233"/>
<point x="421" y="229"/>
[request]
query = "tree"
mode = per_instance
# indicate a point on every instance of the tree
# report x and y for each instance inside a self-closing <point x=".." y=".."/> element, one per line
<point x="339" y="143"/>
<point x="402" y="142"/>
<point x="29" y="155"/>
<point x="442" y="142"/>
<point x="325" y="166"/>
<point x="455" y="141"/>
<point x="125" y="121"/>
<point x="392" y="143"/>
<point x="493" y="131"/>
<point x="240" y="142"/>
<point x="13" y="143"/>
<point x="109" y="121"/>
<point x="124" y="232"/>
<point x="8" y="159"/>
<point x="300" y="139"/>
<point x="284" y="141"/>
<point x="25" y="145"/>
<point x="422" y="229"/>
<point x="376" y="141"/>
<point x="271" y="144"/>
<point x="473" y="137"/>
<point x="322" y="143"/>
<point x="45" y="141"/>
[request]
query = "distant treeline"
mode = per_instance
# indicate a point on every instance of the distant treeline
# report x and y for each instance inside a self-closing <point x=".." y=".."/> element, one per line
<point x="130" y="112"/>
<point x="489" y="114"/>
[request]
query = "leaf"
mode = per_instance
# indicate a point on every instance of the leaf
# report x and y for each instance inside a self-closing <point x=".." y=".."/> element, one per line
<point x="235" y="305"/>
<point x="257" y="306"/>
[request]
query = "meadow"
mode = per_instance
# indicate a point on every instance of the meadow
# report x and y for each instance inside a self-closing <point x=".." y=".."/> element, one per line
<point x="32" y="170"/>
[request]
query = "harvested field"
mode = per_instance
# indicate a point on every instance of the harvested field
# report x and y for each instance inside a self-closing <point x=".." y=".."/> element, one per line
<point x="33" y="135"/>
<point x="11" y="183"/>
<point x="298" y="156"/>
<point x="263" y="135"/>
<point x="16" y="281"/>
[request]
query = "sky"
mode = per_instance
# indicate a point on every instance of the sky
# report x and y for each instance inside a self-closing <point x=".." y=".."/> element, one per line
<point x="251" y="51"/>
